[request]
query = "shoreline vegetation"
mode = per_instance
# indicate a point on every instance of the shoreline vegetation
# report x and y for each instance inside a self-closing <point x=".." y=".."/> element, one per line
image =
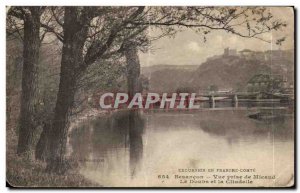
<point x="25" y="172"/>
<point x="22" y="171"/>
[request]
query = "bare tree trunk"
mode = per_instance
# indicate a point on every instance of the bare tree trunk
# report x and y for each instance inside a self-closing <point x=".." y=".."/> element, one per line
<point x="42" y="147"/>
<point x="27" y="123"/>
<point x="74" y="37"/>
<point x="59" y="130"/>
<point x="133" y="69"/>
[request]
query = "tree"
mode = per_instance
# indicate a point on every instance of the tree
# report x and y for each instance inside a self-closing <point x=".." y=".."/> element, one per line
<point x="133" y="69"/>
<point x="25" y="22"/>
<point x="91" y="34"/>
<point x="76" y="30"/>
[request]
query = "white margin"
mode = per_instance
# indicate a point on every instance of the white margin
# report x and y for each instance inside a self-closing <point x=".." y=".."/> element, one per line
<point x="4" y="3"/>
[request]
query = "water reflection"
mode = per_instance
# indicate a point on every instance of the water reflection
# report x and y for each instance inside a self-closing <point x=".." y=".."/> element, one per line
<point x="129" y="147"/>
<point x="136" y="128"/>
<point x="108" y="139"/>
<point x="236" y="126"/>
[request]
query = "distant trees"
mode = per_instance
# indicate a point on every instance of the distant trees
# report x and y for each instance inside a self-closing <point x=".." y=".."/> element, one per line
<point x="213" y="88"/>
<point x="96" y="34"/>
<point x="266" y="83"/>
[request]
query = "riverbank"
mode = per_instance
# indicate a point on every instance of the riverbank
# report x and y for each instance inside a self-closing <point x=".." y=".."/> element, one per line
<point x="22" y="172"/>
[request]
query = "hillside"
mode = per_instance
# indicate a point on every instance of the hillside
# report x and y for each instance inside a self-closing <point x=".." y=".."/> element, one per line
<point x="148" y="70"/>
<point x="223" y="72"/>
<point x="227" y="72"/>
<point x="169" y="80"/>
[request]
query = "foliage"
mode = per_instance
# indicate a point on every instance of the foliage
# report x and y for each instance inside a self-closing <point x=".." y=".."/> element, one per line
<point x="110" y="75"/>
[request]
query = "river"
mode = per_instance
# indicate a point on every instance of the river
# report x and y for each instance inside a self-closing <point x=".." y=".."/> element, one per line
<point x="132" y="149"/>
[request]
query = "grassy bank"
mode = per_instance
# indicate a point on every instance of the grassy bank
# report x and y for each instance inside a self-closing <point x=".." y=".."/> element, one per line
<point x="21" y="172"/>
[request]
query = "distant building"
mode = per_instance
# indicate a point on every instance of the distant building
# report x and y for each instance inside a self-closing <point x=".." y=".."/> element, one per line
<point x="230" y="52"/>
<point x="269" y="55"/>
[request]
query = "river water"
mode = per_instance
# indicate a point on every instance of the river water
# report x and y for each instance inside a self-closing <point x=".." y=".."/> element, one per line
<point x="133" y="148"/>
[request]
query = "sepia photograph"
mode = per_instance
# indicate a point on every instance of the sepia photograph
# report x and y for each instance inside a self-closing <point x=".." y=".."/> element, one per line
<point x="150" y="96"/>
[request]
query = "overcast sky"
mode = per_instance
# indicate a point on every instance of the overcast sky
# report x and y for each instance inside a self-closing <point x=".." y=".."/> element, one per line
<point x="188" y="48"/>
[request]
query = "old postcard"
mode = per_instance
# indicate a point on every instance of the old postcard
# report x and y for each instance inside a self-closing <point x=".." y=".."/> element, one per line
<point x="150" y="96"/>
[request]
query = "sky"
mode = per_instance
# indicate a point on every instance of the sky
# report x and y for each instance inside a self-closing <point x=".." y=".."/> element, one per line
<point x="188" y="47"/>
